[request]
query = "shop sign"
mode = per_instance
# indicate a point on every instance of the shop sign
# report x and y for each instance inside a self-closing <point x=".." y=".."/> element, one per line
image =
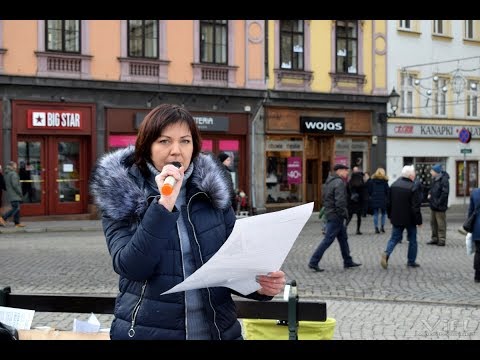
<point x="323" y="125"/>
<point x="284" y="145"/>
<point x="294" y="170"/>
<point x="212" y="123"/>
<point x="54" y="119"/>
<point x="430" y="130"/>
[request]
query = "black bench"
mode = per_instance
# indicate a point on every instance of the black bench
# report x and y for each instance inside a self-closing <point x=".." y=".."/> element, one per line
<point x="288" y="312"/>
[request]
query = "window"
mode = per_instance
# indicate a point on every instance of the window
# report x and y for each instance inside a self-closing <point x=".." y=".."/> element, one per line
<point x="406" y="94"/>
<point x="143" y="38"/>
<point x="468" y="29"/>
<point x="63" y="49"/>
<point x="346" y="42"/>
<point x="464" y="188"/>
<point x="472" y="99"/>
<point x="405" y="24"/>
<point x="422" y="170"/>
<point x="291" y="44"/>
<point x="438" y="27"/>
<point x="284" y="174"/>
<point x="63" y="36"/>
<point x="213" y="41"/>
<point x="439" y="97"/>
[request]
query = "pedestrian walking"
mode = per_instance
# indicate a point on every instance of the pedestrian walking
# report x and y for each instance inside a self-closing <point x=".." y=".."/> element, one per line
<point x="157" y="241"/>
<point x="378" y="191"/>
<point x="14" y="194"/>
<point x="335" y="203"/>
<point x="403" y="209"/>
<point x="474" y="204"/>
<point x="226" y="160"/>
<point x="2" y="186"/>
<point x="438" y="201"/>
<point x="357" y="197"/>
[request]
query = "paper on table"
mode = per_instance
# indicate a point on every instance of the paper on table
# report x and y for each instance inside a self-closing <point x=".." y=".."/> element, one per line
<point x="257" y="245"/>
<point x="92" y="325"/>
<point x="20" y="319"/>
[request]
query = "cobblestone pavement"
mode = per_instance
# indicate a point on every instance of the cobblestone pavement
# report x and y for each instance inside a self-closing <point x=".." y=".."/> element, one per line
<point x="439" y="300"/>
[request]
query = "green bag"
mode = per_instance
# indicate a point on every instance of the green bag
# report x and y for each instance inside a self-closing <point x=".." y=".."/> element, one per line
<point x="263" y="329"/>
<point x="321" y="213"/>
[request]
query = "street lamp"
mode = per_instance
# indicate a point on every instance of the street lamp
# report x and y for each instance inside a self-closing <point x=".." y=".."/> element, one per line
<point x="393" y="100"/>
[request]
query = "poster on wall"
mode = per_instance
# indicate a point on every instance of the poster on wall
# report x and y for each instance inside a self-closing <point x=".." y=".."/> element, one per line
<point x="294" y="170"/>
<point x="341" y="159"/>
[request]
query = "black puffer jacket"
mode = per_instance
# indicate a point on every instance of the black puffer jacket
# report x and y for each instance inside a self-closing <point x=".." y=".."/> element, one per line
<point x="439" y="192"/>
<point x="143" y="241"/>
<point x="335" y="198"/>
<point x="403" y="206"/>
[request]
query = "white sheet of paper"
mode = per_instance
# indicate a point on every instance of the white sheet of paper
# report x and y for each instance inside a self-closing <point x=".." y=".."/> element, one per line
<point x="92" y="325"/>
<point x="257" y="245"/>
<point x="20" y="319"/>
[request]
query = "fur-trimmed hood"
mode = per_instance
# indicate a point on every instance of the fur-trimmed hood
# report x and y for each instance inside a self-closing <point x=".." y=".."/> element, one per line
<point x="120" y="191"/>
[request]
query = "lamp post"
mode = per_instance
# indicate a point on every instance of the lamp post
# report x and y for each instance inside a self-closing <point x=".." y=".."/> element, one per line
<point x="393" y="99"/>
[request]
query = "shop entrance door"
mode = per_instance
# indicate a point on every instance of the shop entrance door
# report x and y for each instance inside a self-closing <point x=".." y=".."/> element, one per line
<point x="52" y="173"/>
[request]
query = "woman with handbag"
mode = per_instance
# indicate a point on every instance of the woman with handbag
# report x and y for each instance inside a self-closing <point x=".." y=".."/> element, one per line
<point x="474" y="203"/>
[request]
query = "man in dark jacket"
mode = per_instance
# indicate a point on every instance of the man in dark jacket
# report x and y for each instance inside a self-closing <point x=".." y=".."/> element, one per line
<point x="438" y="199"/>
<point x="403" y="208"/>
<point x="335" y="203"/>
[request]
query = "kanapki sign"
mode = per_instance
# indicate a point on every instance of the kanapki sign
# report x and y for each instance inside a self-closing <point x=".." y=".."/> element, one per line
<point x="54" y="119"/>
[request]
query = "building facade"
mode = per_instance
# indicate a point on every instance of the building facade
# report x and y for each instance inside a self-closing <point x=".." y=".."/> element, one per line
<point x="75" y="89"/>
<point x="286" y="99"/>
<point x="326" y="88"/>
<point x="435" y="67"/>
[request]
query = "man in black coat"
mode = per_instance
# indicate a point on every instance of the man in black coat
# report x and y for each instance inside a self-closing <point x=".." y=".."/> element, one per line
<point x="403" y="208"/>
<point x="335" y="203"/>
<point x="438" y="199"/>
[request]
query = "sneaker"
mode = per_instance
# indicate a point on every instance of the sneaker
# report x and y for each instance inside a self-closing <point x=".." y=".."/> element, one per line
<point x="414" y="265"/>
<point x="19" y="225"/>
<point x="352" y="264"/>
<point x="441" y="244"/>
<point x="3" y="222"/>
<point x="432" y="242"/>
<point x="384" y="260"/>
<point x="315" y="268"/>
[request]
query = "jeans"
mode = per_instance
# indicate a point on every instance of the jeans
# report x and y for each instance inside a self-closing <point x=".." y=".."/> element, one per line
<point x="476" y="259"/>
<point x="335" y="229"/>
<point x="375" y="217"/>
<point x="397" y="234"/>
<point x="14" y="211"/>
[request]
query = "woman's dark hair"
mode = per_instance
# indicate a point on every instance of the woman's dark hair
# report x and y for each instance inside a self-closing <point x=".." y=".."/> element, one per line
<point x="152" y="127"/>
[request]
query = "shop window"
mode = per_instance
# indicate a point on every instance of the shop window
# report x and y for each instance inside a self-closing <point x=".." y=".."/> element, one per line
<point x="464" y="188"/>
<point x="284" y="175"/>
<point x="351" y="153"/>
<point x="423" y="165"/>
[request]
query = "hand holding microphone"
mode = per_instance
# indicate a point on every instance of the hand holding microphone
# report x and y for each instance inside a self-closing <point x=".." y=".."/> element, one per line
<point x="169" y="182"/>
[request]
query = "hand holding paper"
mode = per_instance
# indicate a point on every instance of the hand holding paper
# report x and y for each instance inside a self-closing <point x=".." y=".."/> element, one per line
<point x="257" y="245"/>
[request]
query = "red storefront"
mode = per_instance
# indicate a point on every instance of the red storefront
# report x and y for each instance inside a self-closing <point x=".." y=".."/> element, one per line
<point x="52" y="144"/>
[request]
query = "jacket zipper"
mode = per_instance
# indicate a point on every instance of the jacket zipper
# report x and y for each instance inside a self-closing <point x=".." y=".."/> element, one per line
<point x="201" y="259"/>
<point x="131" y="332"/>
<point x="183" y="271"/>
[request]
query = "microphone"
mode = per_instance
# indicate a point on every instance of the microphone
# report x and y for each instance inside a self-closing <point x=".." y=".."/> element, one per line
<point x="169" y="181"/>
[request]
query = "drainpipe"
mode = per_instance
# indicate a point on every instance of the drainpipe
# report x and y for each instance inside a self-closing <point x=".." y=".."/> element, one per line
<point x="254" y="116"/>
